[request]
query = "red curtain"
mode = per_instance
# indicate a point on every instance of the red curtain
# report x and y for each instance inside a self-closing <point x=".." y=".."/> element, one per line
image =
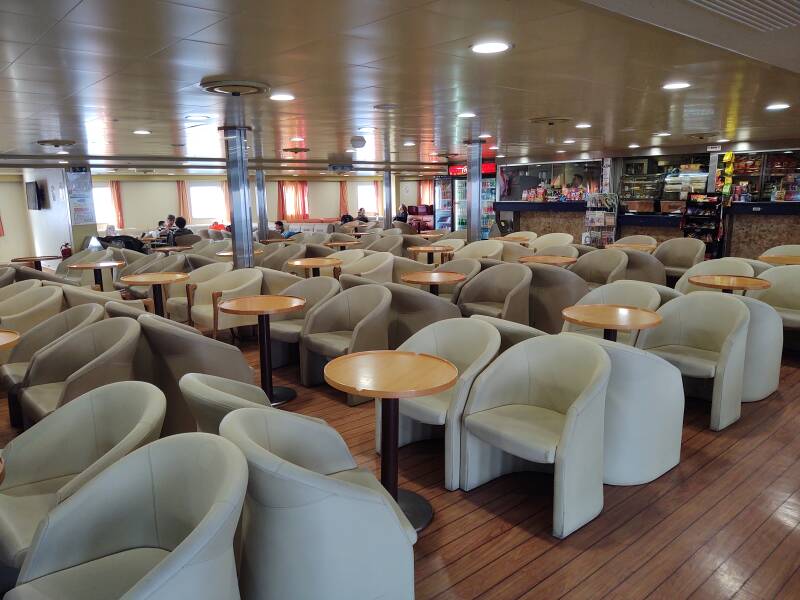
<point x="292" y="200"/>
<point x="343" y="198"/>
<point x="425" y="192"/>
<point x="184" y="204"/>
<point x="116" y="197"/>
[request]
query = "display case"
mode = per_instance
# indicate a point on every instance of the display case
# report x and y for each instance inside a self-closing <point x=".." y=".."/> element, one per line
<point x="781" y="178"/>
<point x="600" y="221"/>
<point x="640" y="193"/>
<point x="702" y="220"/>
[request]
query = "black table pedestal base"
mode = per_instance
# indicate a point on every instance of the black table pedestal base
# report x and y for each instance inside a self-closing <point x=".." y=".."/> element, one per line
<point x="281" y="395"/>
<point x="417" y="510"/>
<point x="610" y="335"/>
<point x="158" y="300"/>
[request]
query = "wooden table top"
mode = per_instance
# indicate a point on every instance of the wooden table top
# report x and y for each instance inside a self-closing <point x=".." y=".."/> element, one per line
<point x="420" y="249"/>
<point x="315" y="263"/>
<point x="546" y="259"/>
<point x="230" y="252"/>
<point x="429" y="235"/>
<point x="730" y="282"/>
<point x="432" y="277"/>
<point x="649" y="248"/>
<point x="166" y="249"/>
<point x="34" y="258"/>
<point x="390" y="374"/>
<point x="340" y="244"/>
<point x="275" y="241"/>
<point x="103" y="264"/>
<point x="262" y="305"/>
<point x="780" y="259"/>
<point x="359" y="233"/>
<point x="515" y="239"/>
<point x="154" y="278"/>
<point x="611" y="316"/>
<point x="9" y="338"/>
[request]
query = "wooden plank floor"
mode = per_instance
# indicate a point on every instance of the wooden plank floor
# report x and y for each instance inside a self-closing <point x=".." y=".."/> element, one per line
<point x="724" y="523"/>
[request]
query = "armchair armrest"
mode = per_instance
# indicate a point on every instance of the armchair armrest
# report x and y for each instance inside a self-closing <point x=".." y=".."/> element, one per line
<point x="52" y="364"/>
<point x="319" y="321"/>
<point x="372" y="332"/>
<point x="515" y="307"/>
<point x="191" y="288"/>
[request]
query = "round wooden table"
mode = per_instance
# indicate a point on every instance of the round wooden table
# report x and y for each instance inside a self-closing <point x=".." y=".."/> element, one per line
<point x="36" y="260"/>
<point x="611" y="318"/>
<point x="156" y="280"/>
<point x="315" y="264"/>
<point x="430" y="251"/>
<point x="229" y="253"/>
<point x="276" y="241"/>
<point x="389" y="375"/>
<point x="342" y="245"/>
<point x="648" y="248"/>
<point x="263" y="307"/>
<point x="433" y="279"/>
<point x="546" y="259"/>
<point x="430" y="235"/>
<point x="729" y="283"/>
<point x="780" y="259"/>
<point x="168" y="249"/>
<point x="8" y="338"/>
<point x="359" y="234"/>
<point x="522" y="241"/>
<point x="98" y="267"/>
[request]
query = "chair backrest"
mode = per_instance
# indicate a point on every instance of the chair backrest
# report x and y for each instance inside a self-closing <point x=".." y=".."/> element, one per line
<point x="138" y="265"/>
<point x="495" y="283"/>
<point x="581" y="248"/>
<point x="210" y="398"/>
<point x="187" y="240"/>
<point x="227" y="281"/>
<point x="550" y="239"/>
<point x="393" y="231"/>
<point x="602" y="266"/>
<point x="644" y="267"/>
<point x="389" y="243"/>
<point x="784" y="250"/>
<point x="784" y="291"/>
<point x="718" y="266"/>
<point x="412" y="310"/>
<point x="41" y="296"/>
<point x="758" y="266"/>
<point x="347" y="256"/>
<point x="568" y="251"/>
<point x="402" y="265"/>
<point x="377" y="267"/>
<point x="552" y="290"/>
<point x="680" y="252"/>
<point x="13" y="289"/>
<point x="314" y="290"/>
<point x="274" y="281"/>
<point x="350" y="307"/>
<point x="316" y="250"/>
<point x="454" y="243"/>
<point x="277" y="260"/>
<point x="510" y="333"/>
<point x="312" y="237"/>
<point x="7" y="275"/>
<point x="665" y="293"/>
<point x="512" y="251"/>
<point x="481" y="249"/>
<point x="52" y="329"/>
<point x="638" y="239"/>
<point x="466" y="266"/>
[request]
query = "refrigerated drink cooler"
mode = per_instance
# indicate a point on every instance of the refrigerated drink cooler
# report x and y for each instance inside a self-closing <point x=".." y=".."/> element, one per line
<point x="450" y="196"/>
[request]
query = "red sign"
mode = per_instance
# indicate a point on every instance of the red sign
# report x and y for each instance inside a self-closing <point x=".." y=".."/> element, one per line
<point x="487" y="168"/>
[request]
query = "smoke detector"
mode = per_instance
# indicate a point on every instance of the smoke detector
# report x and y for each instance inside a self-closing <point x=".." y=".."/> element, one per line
<point x="358" y="141"/>
<point x="233" y="87"/>
<point x="56" y="143"/>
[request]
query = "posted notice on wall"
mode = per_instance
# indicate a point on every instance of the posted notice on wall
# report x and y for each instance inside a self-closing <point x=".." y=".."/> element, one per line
<point x="79" y="190"/>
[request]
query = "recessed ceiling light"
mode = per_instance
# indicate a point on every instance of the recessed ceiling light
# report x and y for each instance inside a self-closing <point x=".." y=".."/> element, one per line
<point x="676" y="85"/>
<point x="197" y="118"/>
<point x="409" y="144"/>
<point x="466" y="115"/>
<point x="141" y="131"/>
<point x="281" y="96"/>
<point x="324" y="173"/>
<point x="366" y="129"/>
<point x="662" y="134"/>
<point x="284" y="164"/>
<point x="63" y="162"/>
<point x="295" y="175"/>
<point x="493" y="147"/>
<point x="560" y="151"/>
<point x="500" y="156"/>
<point x="186" y="163"/>
<point x="350" y="150"/>
<point x="296" y="138"/>
<point x="788" y="151"/>
<point x="490" y="47"/>
<point x="633" y="145"/>
<point x="583" y="125"/>
<point x="62" y="152"/>
<point x="569" y="141"/>
<point x="485" y="136"/>
<point x="777" y="106"/>
<point x="723" y="140"/>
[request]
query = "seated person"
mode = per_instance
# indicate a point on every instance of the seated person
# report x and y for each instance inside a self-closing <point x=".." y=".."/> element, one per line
<point x="154" y="233"/>
<point x="181" y="230"/>
<point x="280" y="228"/>
<point x="362" y="216"/>
<point x="346" y="218"/>
<point x="168" y="226"/>
<point x="402" y="214"/>
<point x="216" y="226"/>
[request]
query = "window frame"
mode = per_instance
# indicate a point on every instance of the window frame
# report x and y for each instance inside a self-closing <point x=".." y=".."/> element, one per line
<point x="105" y="204"/>
<point x="378" y="208"/>
<point x="221" y="217"/>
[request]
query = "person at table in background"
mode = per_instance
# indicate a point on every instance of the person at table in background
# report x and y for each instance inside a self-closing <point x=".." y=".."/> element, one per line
<point x="154" y="233"/>
<point x="217" y="226"/>
<point x="362" y="216"/>
<point x="402" y="214"/>
<point x="169" y="225"/>
<point x="180" y="229"/>
<point x="282" y="230"/>
<point x="346" y="218"/>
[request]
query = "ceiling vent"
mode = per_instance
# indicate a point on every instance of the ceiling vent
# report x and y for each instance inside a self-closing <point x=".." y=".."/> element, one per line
<point x="386" y="106"/>
<point x="549" y="120"/>
<point x="297" y="150"/>
<point x="233" y="87"/>
<point x="764" y="15"/>
<point x="56" y="143"/>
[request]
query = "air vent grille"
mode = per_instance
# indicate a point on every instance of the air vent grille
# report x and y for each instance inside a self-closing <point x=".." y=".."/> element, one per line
<point x="762" y="15"/>
<point x="549" y="120"/>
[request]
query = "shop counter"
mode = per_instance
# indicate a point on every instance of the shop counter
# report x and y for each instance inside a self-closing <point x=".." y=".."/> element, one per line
<point x="660" y="226"/>
<point x="544" y="217"/>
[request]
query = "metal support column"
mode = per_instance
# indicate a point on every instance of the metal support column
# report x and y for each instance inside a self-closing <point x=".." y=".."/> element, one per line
<point x="239" y="189"/>
<point x="261" y="205"/>
<point x="474" y="191"/>
<point x="388" y="205"/>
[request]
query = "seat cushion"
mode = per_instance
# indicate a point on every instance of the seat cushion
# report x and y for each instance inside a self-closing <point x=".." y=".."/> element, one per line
<point x="367" y="479"/>
<point x="488" y="309"/>
<point x="178" y="308"/>
<point x="13" y="373"/>
<point x="692" y="362"/>
<point x="38" y="401"/>
<point x="675" y="271"/>
<point x="22" y="508"/>
<point x="529" y="432"/>
<point x="108" y="577"/>
<point x="428" y="409"/>
<point x="330" y="343"/>
<point x="287" y="331"/>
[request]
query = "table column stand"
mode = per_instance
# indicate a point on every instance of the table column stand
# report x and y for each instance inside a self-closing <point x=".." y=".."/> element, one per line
<point x="434" y="289"/>
<point x="315" y="271"/>
<point x="277" y="395"/>
<point x="158" y="299"/>
<point x="98" y="278"/>
<point x="610" y="335"/>
<point x="37" y="264"/>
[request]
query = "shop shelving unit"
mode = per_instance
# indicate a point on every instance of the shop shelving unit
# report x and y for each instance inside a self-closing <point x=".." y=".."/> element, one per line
<point x="600" y="222"/>
<point x="702" y="219"/>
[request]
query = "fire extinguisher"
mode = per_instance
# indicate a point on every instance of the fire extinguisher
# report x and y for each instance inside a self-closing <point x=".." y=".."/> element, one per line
<point x="66" y="250"/>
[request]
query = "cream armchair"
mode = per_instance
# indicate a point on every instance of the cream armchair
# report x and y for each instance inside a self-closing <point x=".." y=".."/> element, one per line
<point x="7" y="276"/>
<point x="210" y="250"/>
<point x="412" y="310"/>
<point x="78" y="362"/>
<point x="762" y="360"/>
<point x="648" y="240"/>
<point x="205" y="313"/>
<point x="274" y="282"/>
<point x="542" y="401"/>
<point x="552" y="290"/>
<point x="550" y="239"/>
<point x="49" y="462"/>
<point x="401" y="266"/>
<point x="452" y="243"/>
<point x="470" y="345"/>
<point x="348" y="257"/>
<point x="759" y="266"/>
<point x="501" y="291"/>
<point x="181" y="497"/>
<point x="388" y="243"/>
<point x="27" y="309"/>
<point x="625" y="293"/>
<point x="277" y="260"/>
<point x="75" y="296"/>
<point x="679" y="254"/>
<point x="513" y="251"/>
<point x="353" y="321"/>
<point x="469" y="267"/>
<point x="665" y="293"/>
<point x="785" y="250"/>
<point x="174" y="263"/>
<point x="704" y="334"/>
<point x="179" y="295"/>
<point x="719" y="266"/>
<point x="376" y="267"/>
<point x="568" y="251"/>
<point x="511" y="333"/>
<point x="783" y="294"/>
<point x="481" y="249"/>
<point x="13" y="289"/>
<point x="362" y="542"/>
<point x="85" y="256"/>
<point x="211" y="398"/>
<point x="601" y="267"/>
<point x="644" y="267"/>
<point x="134" y="267"/>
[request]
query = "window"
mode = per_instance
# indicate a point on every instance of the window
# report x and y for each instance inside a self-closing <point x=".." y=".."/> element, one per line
<point x="104" y="205"/>
<point x="207" y="201"/>
<point x="368" y="198"/>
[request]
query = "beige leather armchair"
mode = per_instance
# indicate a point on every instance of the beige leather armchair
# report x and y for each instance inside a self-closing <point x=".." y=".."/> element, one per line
<point x="178" y="305"/>
<point x="316" y="251"/>
<point x="362" y="542"/>
<point x="49" y="462"/>
<point x="601" y="267"/>
<point x="7" y="276"/>
<point x="784" y="293"/>
<point x="762" y="360"/>
<point x="388" y="243"/>
<point x="542" y="402"/>
<point x="469" y="267"/>
<point x="181" y="498"/>
<point x="666" y="293"/>
<point x="648" y="240"/>
<point x="511" y="333"/>
<point x="481" y="249"/>
<point x="568" y="251"/>
<point x="470" y="345"/>
<point x="75" y="296"/>
<point x="205" y="313"/>
<point x="644" y="267"/>
<point x="78" y="362"/>
<point x="784" y="250"/>
<point x="13" y="289"/>
<point x="678" y="254"/>
<point x="210" y="398"/>
<point x="412" y="310"/>
<point x="274" y="282"/>
<point x="704" y="334"/>
<point x="278" y="259"/>
<point x="759" y="266"/>
<point x="377" y="267"/>
<point x="512" y="252"/>
<point x="23" y="311"/>
<point x="552" y="290"/>
<point x="401" y="266"/>
<point x="453" y="243"/>
<point x="582" y="248"/>
<point x="501" y="291"/>
<point x="550" y="239"/>
<point x="719" y="266"/>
